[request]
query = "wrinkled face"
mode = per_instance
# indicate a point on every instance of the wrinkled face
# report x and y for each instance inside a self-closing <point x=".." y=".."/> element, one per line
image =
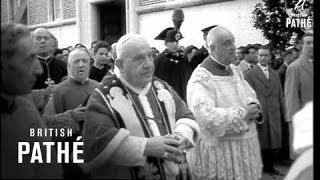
<point x="224" y="48"/>
<point x="307" y="46"/>
<point x="43" y="42"/>
<point x="102" y="56"/>
<point x="79" y="65"/>
<point x="20" y="72"/>
<point x="264" y="57"/>
<point x="172" y="46"/>
<point x="136" y="64"/>
<point x="239" y="54"/>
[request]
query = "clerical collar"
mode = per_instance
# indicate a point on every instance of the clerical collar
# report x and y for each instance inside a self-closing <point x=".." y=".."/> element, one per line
<point x="219" y="63"/>
<point x="143" y="91"/>
<point x="263" y="67"/>
<point x="79" y="82"/>
<point x="101" y="67"/>
<point x="44" y="58"/>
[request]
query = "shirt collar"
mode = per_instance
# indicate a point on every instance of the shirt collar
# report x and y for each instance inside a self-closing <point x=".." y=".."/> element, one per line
<point x="79" y="82"/>
<point x="44" y="58"/>
<point x="214" y="59"/>
<point x="263" y="67"/>
<point x="138" y="91"/>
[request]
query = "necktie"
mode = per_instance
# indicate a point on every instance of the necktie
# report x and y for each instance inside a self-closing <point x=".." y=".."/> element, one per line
<point x="266" y="72"/>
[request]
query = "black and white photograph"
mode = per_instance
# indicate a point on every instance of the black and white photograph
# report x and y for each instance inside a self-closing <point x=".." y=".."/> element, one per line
<point x="157" y="89"/>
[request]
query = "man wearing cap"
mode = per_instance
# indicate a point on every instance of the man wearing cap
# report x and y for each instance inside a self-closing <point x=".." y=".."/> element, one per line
<point x="136" y="125"/>
<point x="227" y="111"/>
<point x="201" y="53"/>
<point x="170" y="65"/>
<point x="291" y="54"/>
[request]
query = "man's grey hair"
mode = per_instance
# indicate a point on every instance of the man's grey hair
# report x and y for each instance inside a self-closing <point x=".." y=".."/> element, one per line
<point x="11" y="34"/>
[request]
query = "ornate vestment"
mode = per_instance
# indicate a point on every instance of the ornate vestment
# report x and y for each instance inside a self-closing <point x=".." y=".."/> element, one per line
<point x="118" y="122"/>
<point x="228" y="146"/>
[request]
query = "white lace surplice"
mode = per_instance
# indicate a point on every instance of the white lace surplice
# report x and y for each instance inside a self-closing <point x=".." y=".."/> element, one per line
<point x="228" y="147"/>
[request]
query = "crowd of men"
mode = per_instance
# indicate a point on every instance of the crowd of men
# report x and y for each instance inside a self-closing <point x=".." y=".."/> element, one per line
<point x="218" y="112"/>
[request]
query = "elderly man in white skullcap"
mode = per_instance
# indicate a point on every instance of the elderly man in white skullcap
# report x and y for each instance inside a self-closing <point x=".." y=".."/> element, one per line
<point x="136" y="126"/>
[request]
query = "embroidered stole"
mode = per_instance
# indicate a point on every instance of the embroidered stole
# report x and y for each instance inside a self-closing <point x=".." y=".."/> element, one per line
<point x="128" y="113"/>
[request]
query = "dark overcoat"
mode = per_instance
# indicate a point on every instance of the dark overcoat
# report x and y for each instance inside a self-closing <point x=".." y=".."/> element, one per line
<point x="270" y="96"/>
<point x="176" y="72"/>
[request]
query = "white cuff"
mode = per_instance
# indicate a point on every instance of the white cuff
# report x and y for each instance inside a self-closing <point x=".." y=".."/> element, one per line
<point x="189" y="129"/>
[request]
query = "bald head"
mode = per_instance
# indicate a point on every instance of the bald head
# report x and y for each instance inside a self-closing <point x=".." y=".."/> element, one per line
<point x="41" y="31"/>
<point x="79" y="64"/>
<point x="77" y="53"/>
<point x="42" y="38"/>
<point x="220" y="43"/>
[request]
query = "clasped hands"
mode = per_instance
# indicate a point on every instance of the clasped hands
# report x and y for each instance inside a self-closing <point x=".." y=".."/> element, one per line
<point x="169" y="147"/>
<point x="253" y="112"/>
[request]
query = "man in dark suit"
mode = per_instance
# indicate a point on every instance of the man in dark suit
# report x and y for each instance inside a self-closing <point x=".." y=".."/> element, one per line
<point x="266" y="83"/>
<point x="291" y="53"/>
<point x="201" y="53"/>
<point x="102" y="61"/>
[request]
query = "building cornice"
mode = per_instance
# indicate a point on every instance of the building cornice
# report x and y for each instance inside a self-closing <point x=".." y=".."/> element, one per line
<point x="174" y="4"/>
<point x="52" y="24"/>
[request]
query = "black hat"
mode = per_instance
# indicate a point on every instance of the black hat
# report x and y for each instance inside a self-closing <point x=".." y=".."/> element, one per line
<point x="207" y="29"/>
<point x="169" y="35"/>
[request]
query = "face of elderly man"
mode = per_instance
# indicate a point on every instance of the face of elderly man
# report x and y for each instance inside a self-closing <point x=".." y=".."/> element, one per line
<point x="19" y="73"/>
<point x="43" y="40"/>
<point x="79" y="65"/>
<point x="221" y="45"/>
<point x="135" y="61"/>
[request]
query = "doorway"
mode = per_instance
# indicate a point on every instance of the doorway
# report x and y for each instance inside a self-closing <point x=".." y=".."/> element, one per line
<point x="112" y="17"/>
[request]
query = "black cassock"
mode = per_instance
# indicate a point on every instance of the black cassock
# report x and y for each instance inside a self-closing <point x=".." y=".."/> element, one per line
<point x="53" y="72"/>
<point x="175" y="71"/>
<point x="198" y="57"/>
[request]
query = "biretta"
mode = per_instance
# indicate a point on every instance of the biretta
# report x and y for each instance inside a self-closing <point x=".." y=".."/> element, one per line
<point x="169" y="35"/>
